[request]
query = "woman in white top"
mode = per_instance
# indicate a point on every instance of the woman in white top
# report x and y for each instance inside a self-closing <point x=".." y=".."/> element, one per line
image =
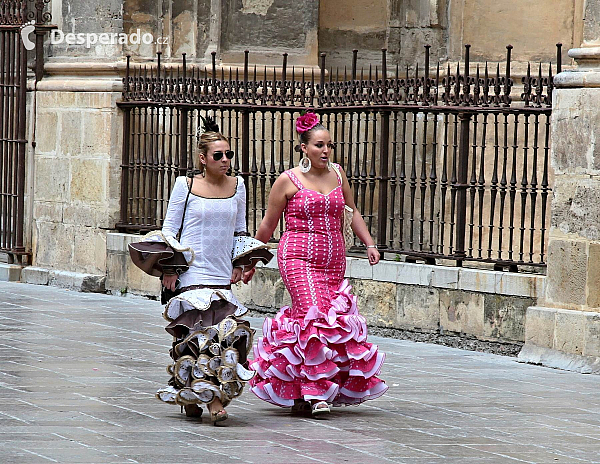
<point x="211" y="343"/>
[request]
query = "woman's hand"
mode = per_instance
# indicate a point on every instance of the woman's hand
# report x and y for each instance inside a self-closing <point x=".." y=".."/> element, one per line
<point x="236" y="275"/>
<point x="373" y="255"/>
<point x="169" y="281"/>
<point x="248" y="275"/>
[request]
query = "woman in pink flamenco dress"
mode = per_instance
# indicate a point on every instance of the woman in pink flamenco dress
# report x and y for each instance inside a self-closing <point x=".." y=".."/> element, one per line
<point x="315" y="353"/>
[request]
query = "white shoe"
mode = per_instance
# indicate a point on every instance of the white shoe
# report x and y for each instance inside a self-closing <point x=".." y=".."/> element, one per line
<point x="320" y="408"/>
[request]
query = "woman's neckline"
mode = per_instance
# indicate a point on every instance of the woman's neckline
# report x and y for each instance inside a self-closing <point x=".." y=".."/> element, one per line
<point x="219" y="198"/>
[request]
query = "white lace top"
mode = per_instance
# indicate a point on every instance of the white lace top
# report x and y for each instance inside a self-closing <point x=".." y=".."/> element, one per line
<point x="209" y="227"/>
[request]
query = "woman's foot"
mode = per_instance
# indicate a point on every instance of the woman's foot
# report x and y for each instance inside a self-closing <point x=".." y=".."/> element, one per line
<point x="217" y="412"/>
<point x="320" y="408"/>
<point x="193" y="410"/>
<point x="301" y="407"/>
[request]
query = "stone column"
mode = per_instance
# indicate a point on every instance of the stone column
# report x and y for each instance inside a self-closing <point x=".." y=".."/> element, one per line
<point x="74" y="169"/>
<point x="564" y="329"/>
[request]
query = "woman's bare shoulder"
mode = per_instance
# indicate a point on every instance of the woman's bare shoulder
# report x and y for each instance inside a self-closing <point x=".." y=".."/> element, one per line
<point x="284" y="178"/>
<point x="232" y="181"/>
<point x="284" y="185"/>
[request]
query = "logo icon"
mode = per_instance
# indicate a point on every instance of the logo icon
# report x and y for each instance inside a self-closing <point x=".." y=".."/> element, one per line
<point x="27" y="29"/>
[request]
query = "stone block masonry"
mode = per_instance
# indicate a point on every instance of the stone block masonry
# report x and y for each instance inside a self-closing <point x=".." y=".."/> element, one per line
<point x="471" y="303"/>
<point x="76" y="196"/>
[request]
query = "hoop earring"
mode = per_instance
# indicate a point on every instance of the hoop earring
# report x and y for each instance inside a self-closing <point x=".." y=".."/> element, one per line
<point x="305" y="164"/>
<point x="203" y="173"/>
<point x="328" y="165"/>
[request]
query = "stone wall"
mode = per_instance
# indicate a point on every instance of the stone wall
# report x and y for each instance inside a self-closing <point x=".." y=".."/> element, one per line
<point x="404" y="27"/>
<point x="73" y="16"/>
<point x="269" y="28"/>
<point x="360" y="25"/>
<point x="304" y="29"/>
<point x="122" y="276"/>
<point x="487" y="305"/>
<point x="531" y="27"/>
<point x="76" y="179"/>
<point x="563" y="339"/>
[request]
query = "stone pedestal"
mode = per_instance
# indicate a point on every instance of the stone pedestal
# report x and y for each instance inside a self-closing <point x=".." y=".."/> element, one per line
<point x="563" y="329"/>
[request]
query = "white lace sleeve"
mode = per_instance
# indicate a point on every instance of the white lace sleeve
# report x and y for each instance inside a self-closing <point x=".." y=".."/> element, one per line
<point x="240" y="219"/>
<point x="172" y="221"/>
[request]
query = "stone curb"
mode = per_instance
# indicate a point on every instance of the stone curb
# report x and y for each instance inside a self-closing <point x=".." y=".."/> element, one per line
<point x="10" y="272"/>
<point x="548" y="357"/>
<point x="81" y="282"/>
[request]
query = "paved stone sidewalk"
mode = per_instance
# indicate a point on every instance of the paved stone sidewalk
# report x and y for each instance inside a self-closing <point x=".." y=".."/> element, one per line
<point x="78" y="374"/>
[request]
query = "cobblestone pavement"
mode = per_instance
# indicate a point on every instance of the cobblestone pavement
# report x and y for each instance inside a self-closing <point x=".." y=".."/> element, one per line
<point x="78" y="374"/>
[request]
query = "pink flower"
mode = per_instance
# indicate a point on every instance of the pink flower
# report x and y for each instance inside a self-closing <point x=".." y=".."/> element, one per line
<point x="306" y="122"/>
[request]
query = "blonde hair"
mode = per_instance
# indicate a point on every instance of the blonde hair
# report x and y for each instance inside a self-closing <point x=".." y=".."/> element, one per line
<point x="203" y="145"/>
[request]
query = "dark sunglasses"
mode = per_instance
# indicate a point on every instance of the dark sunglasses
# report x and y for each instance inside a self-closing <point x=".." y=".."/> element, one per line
<point x="217" y="155"/>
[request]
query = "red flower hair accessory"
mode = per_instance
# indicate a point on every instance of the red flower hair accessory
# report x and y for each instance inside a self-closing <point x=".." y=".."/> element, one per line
<point x="306" y="122"/>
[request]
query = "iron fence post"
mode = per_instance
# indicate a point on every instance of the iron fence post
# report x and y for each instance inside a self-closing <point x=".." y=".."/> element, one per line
<point x="125" y="163"/>
<point x="321" y="97"/>
<point x="461" y="187"/>
<point x="183" y="148"/>
<point x="21" y="143"/>
<point x="383" y="161"/>
<point x="382" y="211"/>
<point x="246" y="153"/>
<point x="183" y="127"/>
<point x="246" y="134"/>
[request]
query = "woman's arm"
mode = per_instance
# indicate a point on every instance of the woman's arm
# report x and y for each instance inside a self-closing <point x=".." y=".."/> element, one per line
<point x="358" y="223"/>
<point x="282" y="189"/>
<point x="240" y="218"/>
<point x="240" y="224"/>
<point x="172" y="222"/>
<point x="175" y="208"/>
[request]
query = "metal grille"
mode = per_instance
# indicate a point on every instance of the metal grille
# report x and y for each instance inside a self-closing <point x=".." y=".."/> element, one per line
<point x="14" y="16"/>
<point x="444" y="162"/>
<point x="13" y="77"/>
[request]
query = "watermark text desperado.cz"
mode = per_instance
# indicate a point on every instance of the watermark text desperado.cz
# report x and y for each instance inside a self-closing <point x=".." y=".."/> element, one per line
<point x="105" y="38"/>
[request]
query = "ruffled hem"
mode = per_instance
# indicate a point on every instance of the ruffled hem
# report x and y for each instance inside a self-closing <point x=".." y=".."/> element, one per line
<point x="248" y="251"/>
<point x="322" y="356"/>
<point x="201" y="300"/>
<point x="158" y="236"/>
<point x="209" y="362"/>
<point x="158" y="254"/>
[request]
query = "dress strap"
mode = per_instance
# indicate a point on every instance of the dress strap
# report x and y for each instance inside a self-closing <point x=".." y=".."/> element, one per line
<point x="336" y="168"/>
<point x="294" y="179"/>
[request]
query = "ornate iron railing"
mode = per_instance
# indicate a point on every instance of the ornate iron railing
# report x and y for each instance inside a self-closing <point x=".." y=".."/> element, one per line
<point x="444" y="162"/>
<point x="14" y="15"/>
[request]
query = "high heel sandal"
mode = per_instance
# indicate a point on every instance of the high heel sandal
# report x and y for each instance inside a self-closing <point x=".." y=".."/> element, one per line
<point x="218" y="416"/>
<point x="320" y="408"/>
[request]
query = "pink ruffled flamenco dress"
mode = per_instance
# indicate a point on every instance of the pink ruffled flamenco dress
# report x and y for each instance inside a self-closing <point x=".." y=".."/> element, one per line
<point x="317" y="349"/>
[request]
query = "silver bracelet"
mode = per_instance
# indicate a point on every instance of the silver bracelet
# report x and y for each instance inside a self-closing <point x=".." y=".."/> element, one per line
<point x="372" y="246"/>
